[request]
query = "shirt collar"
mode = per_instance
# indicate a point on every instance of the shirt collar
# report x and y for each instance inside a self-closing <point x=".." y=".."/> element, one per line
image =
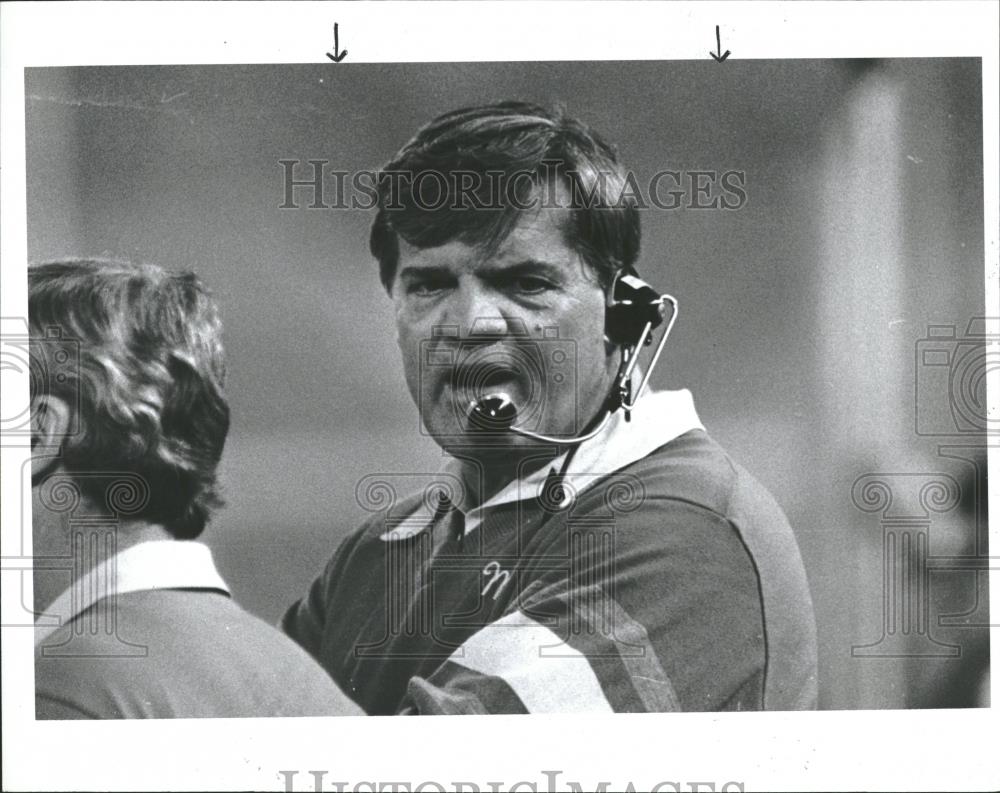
<point x="658" y="418"/>
<point x="154" y="564"/>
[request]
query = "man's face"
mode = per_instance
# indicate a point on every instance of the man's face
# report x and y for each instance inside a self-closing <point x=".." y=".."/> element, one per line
<point x="526" y="320"/>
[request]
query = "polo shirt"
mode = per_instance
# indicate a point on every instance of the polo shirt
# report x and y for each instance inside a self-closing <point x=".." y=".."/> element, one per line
<point x="645" y="572"/>
<point x="152" y="633"/>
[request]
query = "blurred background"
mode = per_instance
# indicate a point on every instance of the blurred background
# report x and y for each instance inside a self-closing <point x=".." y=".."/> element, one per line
<point x="824" y="327"/>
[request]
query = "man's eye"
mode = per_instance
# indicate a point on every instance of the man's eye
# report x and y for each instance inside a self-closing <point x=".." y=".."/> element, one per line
<point x="531" y="286"/>
<point x="425" y="288"/>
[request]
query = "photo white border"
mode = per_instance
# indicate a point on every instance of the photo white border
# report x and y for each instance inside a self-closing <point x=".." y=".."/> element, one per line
<point x="856" y="750"/>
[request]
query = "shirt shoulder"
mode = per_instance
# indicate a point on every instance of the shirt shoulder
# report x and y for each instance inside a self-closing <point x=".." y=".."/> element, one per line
<point x="695" y="470"/>
<point x="177" y="653"/>
<point x="690" y="505"/>
<point x="691" y="468"/>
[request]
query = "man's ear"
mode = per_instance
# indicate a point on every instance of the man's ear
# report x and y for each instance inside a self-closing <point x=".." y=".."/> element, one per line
<point x="50" y="423"/>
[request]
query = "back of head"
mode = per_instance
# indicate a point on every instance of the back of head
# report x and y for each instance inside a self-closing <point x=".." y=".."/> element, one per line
<point x="469" y="174"/>
<point x="147" y="389"/>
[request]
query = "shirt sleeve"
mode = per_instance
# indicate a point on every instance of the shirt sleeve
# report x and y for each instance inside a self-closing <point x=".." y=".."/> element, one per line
<point x="306" y="620"/>
<point x="54" y="708"/>
<point x="78" y="687"/>
<point x="661" y="614"/>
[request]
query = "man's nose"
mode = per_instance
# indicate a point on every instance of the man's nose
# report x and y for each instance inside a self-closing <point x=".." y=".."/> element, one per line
<point x="486" y="312"/>
<point x="490" y="326"/>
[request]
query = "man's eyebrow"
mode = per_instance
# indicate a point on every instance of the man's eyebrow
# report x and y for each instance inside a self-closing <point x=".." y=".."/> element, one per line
<point x="422" y="270"/>
<point x="526" y="267"/>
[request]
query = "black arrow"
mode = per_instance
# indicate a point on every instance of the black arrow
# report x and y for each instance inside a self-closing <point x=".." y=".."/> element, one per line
<point x="339" y="56"/>
<point x="722" y="55"/>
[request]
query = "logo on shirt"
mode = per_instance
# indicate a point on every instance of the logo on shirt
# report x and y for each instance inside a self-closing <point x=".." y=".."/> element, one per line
<point x="497" y="577"/>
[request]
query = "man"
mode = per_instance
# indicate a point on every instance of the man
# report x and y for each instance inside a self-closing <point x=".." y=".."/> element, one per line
<point x="129" y="420"/>
<point x="573" y="555"/>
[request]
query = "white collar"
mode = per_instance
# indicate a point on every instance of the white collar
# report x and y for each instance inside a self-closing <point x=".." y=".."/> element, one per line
<point x="154" y="564"/>
<point x="658" y="418"/>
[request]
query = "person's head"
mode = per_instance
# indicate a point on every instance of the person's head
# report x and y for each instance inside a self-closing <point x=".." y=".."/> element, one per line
<point x="129" y="374"/>
<point x="508" y="222"/>
<point x="472" y="174"/>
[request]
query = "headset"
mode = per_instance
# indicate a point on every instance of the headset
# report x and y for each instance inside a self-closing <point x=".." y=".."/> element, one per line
<point x="634" y="310"/>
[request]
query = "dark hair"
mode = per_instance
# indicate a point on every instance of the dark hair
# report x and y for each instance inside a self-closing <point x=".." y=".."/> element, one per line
<point x="146" y="383"/>
<point x="503" y="141"/>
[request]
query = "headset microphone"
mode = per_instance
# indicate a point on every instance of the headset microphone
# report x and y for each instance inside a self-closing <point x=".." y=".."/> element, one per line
<point x="633" y="311"/>
<point x="494" y="412"/>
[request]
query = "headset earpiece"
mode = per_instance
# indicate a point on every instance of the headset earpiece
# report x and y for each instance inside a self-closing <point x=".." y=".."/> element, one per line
<point x="632" y="305"/>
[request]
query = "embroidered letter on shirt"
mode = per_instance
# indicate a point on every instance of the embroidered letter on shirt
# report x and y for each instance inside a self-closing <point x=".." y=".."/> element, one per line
<point x="496" y="574"/>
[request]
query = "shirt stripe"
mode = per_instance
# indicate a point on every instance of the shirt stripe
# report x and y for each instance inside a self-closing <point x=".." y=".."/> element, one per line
<point x="616" y="645"/>
<point x="512" y="649"/>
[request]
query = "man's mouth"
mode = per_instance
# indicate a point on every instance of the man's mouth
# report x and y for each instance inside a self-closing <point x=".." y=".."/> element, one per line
<point x="485" y="378"/>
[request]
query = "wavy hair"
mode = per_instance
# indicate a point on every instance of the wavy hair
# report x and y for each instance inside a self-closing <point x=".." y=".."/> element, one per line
<point x="493" y="146"/>
<point x="147" y="385"/>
